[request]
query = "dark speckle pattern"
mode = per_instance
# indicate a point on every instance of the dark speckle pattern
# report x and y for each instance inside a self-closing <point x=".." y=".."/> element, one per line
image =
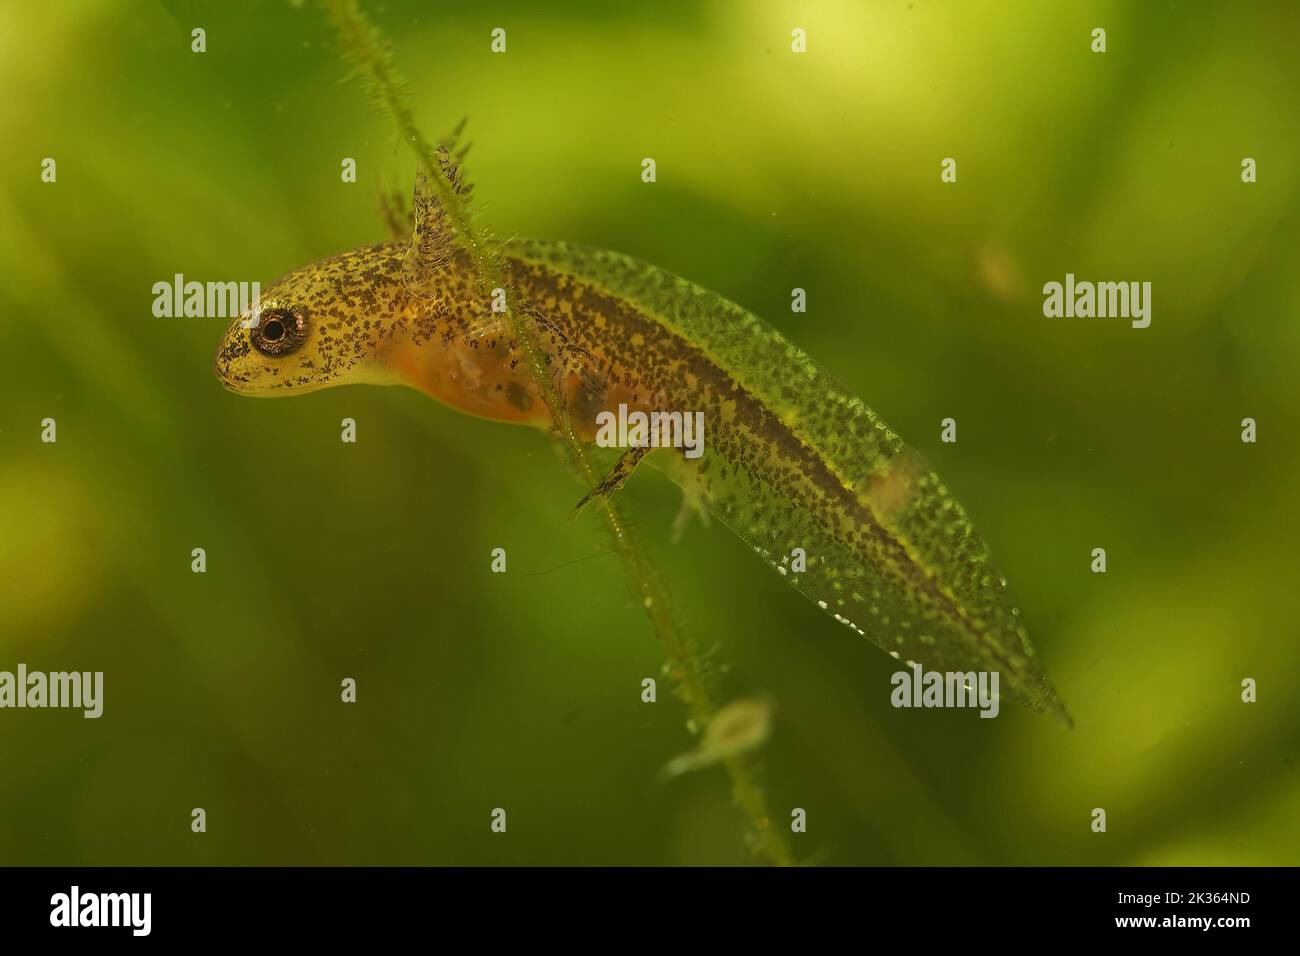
<point x="794" y="461"/>
<point x="791" y="459"/>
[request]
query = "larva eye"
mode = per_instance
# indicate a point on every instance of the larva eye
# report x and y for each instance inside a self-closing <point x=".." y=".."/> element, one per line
<point x="280" y="332"/>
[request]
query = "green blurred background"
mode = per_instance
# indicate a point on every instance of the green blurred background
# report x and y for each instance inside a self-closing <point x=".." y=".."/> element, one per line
<point x="522" y="690"/>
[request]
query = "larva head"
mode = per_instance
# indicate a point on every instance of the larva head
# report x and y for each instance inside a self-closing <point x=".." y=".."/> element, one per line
<point x="324" y="324"/>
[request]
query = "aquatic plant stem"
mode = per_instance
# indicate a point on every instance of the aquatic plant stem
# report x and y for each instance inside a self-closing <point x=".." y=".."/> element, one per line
<point x="367" y="49"/>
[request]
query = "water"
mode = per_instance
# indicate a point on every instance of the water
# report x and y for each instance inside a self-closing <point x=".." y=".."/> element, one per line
<point x="523" y="691"/>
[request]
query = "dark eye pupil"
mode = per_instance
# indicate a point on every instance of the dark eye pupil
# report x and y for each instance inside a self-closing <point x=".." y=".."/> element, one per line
<point x="280" y="333"/>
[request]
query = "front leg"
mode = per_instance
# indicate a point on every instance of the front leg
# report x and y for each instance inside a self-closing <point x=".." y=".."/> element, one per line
<point x="619" y="474"/>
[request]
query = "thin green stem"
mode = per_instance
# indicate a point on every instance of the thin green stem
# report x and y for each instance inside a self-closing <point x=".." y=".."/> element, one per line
<point x="366" y="47"/>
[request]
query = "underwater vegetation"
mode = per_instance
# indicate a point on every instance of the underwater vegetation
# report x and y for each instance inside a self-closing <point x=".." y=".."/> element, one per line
<point x="1065" y="275"/>
<point x="558" y="336"/>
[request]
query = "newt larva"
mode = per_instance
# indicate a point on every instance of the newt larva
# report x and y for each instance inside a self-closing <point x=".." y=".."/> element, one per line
<point x="791" y="459"/>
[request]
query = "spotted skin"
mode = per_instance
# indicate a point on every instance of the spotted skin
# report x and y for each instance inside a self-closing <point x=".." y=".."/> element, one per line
<point x="791" y="460"/>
